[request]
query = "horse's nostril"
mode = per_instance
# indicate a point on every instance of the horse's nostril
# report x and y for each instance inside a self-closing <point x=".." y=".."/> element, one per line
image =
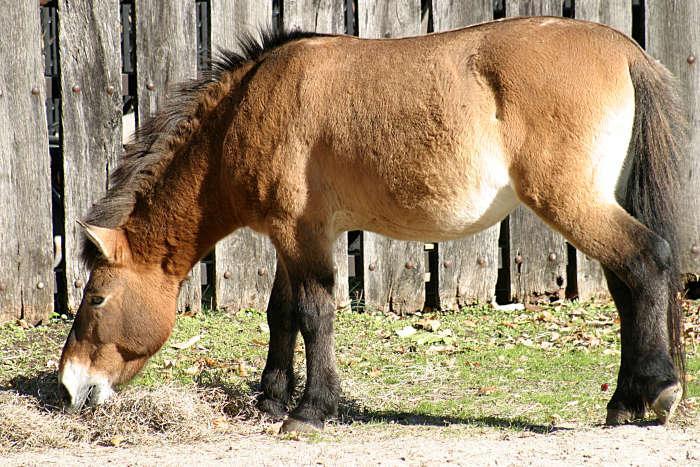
<point x="63" y="394"/>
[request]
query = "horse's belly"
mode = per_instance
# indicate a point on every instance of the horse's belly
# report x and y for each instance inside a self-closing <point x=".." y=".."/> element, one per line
<point x="462" y="207"/>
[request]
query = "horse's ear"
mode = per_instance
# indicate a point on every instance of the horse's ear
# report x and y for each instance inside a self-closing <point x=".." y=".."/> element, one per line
<point x="112" y="243"/>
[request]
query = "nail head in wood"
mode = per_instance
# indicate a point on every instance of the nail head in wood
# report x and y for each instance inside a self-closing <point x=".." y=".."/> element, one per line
<point x="372" y="267"/>
<point x="691" y="59"/>
<point x="227" y="275"/>
<point x="552" y="257"/>
<point x="410" y="265"/>
<point x="76" y="89"/>
<point x="262" y="271"/>
<point x="150" y="86"/>
<point x="40" y="285"/>
<point x="110" y="89"/>
<point x="695" y="249"/>
<point x="518" y="259"/>
<point x="447" y="263"/>
<point x="78" y="284"/>
<point x="481" y="261"/>
<point x="35" y="91"/>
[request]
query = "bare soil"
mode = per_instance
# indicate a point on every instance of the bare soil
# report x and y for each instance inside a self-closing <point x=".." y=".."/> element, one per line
<point x="404" y="445"/>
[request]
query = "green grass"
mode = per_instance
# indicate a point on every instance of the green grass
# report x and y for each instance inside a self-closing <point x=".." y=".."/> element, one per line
<point x="480" y="367"/>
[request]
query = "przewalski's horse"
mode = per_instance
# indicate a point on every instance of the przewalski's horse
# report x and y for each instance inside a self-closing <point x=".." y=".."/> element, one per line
<point x="429" y="138"/>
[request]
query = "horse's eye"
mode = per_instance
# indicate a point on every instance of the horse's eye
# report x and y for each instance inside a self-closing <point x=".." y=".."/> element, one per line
<point x="96" y="300"/>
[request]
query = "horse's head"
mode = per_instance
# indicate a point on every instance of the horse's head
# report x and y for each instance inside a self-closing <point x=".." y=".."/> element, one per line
<point x="126" y="314"/>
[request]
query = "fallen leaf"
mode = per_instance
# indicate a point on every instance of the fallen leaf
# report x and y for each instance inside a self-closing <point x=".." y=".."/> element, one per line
<point x="406" y="331"/>
<point x="188" y="343"/>
<point x="485" y="390"/>
<point x="428" y="324"/>
<point x="604" y="387"/>
<point x="116" y="441"/>
<point x="241" y="369"/>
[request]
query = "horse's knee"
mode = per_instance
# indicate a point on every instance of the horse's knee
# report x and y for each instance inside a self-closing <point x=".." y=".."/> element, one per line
<point x="314" y="311"/>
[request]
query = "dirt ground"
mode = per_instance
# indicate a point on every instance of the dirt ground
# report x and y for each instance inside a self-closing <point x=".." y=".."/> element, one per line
<point x="419" y="445"/>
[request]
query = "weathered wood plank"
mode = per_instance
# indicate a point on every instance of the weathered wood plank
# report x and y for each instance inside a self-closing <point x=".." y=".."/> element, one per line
<point x="454" y="14"/>
<point x="534" y="7"/>
<point x="540" y="252"/>
<point x="244" y="262"/>
<point x="673" y="36"/>
<point x="615" y="13"/>
<point x="326" y="16"/>
<point x="166" y="54"/>
<point x="467" y="269"/>
<point x="388" y="18"/>
<point x="393" y="270"/>
<point x="26" y="243"/>
<point x="91" y="118"/>
<point x="590" y="280"/>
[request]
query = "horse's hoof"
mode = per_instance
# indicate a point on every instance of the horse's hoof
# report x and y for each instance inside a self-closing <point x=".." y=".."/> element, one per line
<point x="665" y="405"/>
<point x="622" y="416"/>
<point x="292" y="425"/>
<point x="273" y="408"/>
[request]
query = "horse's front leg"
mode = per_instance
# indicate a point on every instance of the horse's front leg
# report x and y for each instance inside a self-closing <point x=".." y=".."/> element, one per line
<point x="278" y="377"/>
<point x="311" y="277"/>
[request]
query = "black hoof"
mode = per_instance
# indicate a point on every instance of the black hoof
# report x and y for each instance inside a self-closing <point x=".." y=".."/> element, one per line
<point x="622" y="416"/>
<point x="293" y="425"/>
<point x="273" y="408"/>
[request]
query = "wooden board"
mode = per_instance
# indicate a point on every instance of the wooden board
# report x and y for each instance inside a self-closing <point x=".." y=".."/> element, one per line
<point x="534" y="7"/>
<point x="245" y="261"/>
<point x="467" y="269"/>
<point x="590" y="280"/>
<point x="166" y="54"/>
<point x="393" y="270"/>
<point x="325" y="16"/>
<point x="388" y="18"/>
<point x="454" y="14"/>
<point x="673" y="37"/>
<point x="532" y="243"/>
<point x="26" y="240"/>
<point x="91" y="109"/>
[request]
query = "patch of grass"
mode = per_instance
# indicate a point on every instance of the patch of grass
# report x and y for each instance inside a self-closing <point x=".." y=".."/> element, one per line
<point x="480" y="367"/>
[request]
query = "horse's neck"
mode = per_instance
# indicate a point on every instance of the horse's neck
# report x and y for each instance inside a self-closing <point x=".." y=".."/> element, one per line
<point x="184" y="215"/>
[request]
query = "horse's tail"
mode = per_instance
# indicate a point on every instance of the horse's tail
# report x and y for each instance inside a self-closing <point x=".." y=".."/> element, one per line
<point x="653" y="187"/>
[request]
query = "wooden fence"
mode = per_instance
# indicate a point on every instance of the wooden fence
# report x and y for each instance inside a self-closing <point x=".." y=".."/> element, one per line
<point x="102" y="58"/>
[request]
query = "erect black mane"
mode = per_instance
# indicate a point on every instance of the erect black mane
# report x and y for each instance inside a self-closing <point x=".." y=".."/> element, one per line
<point x="146" y="157"/>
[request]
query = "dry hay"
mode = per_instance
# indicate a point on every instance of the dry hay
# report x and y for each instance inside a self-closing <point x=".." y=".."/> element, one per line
<point x="134" y="416"/>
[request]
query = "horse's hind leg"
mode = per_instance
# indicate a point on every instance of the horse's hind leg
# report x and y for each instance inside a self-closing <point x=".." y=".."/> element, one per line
<point x="278" y="377"/>
<point x="637" y="262"/>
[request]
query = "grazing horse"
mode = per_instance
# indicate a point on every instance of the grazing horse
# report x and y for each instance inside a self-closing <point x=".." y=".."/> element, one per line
<point x="302" y="137"/>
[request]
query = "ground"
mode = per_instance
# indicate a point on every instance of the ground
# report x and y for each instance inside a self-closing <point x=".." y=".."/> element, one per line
<point x="481" y="386"/>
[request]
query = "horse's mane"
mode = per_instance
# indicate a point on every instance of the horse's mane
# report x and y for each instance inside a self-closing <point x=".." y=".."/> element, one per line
<point x="150" y="151"/>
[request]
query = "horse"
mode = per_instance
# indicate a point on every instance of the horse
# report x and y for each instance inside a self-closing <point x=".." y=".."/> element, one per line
<point x="302" y="137"/>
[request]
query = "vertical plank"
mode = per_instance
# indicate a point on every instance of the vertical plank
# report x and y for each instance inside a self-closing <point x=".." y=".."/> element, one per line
<point x="323" y="16"/>
<point x="538" y="254"/>
<point x="91" y="117"/>
<point x="673" y="37"/>
<point x="590" y="280"/>
<point x="393" y="270"/>
<point x="467" y="269"/>
<point x="453" y="14"/>
<point x="26" y="244"/>
<point x="534" y="7"/>
<point x="166" y="54"/>
<point x="326" y="16"/>
<point x="244" y="262"/>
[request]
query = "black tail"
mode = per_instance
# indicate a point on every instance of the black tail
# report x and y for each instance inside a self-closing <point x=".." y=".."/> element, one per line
<point x="659" y="138"/>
